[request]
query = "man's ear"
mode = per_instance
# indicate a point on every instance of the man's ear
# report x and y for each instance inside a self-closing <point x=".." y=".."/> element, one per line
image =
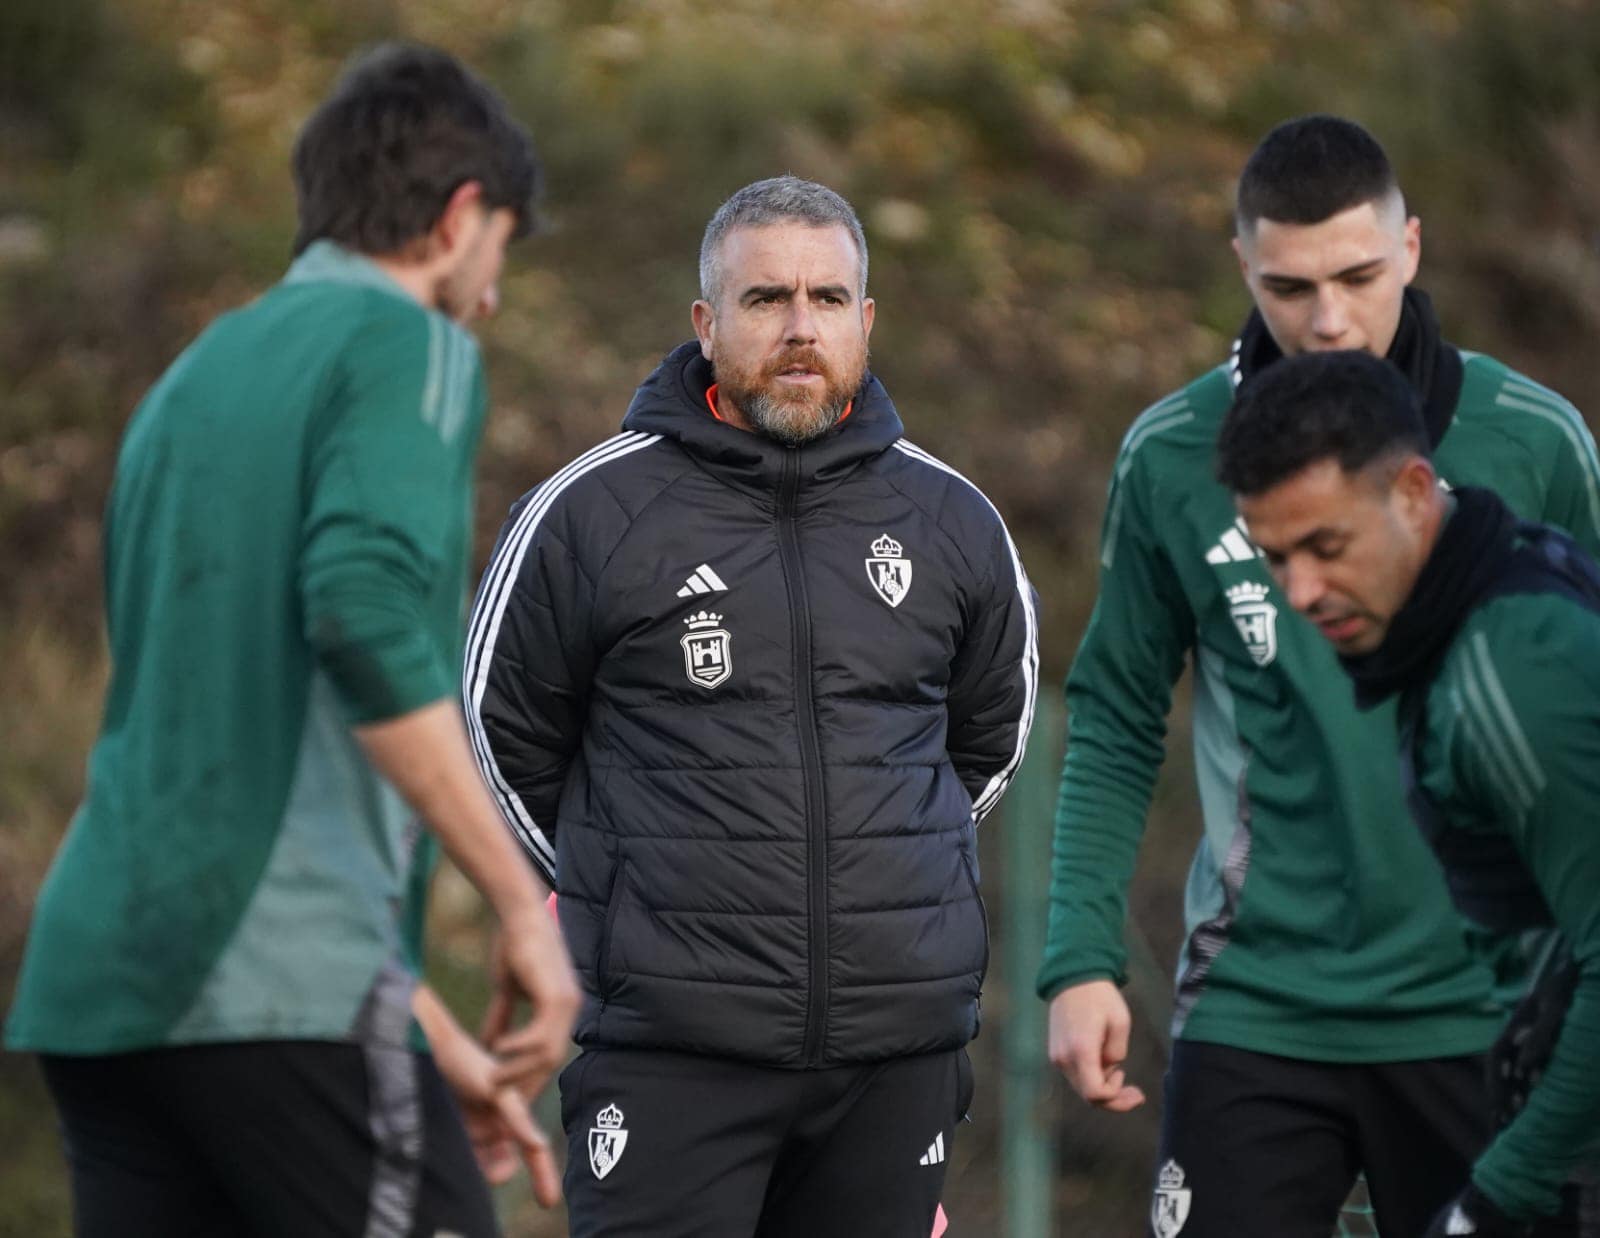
<point x="459" y="222"/>
<point x="1413" y="248"/>
<point x="705" y="327"/>
<point x="1244" y="262"/>
<point x="1416" y="484"/>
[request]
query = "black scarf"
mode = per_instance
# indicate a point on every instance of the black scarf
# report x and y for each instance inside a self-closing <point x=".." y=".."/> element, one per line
<point x="1432" y="366"/>
<point x="1472" y="549"/>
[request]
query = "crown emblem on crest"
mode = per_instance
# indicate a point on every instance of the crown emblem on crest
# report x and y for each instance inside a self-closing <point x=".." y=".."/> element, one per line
<point x="705" y="619"/>
<point x="610" y="1119"/>
<point x="1171" y="1176"/>
<point x="886" y="548"/>
<point x="1256" y="618"/>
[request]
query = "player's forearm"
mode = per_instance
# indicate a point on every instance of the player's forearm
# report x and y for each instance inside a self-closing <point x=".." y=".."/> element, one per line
<point x="445" y="1035"/>
<point x="1559" y="1128"/>
<point x="1100" y="819"/>
<point x="424" y="754"/>
<point x="433" y="1016"/>
<point x="1118" y="695"/>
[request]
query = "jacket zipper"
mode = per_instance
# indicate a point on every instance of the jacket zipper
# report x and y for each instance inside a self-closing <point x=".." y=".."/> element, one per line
<point x="810" y="758"/>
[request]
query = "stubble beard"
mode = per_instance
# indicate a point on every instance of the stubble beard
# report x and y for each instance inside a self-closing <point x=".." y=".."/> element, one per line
<point x="792" y="417"/>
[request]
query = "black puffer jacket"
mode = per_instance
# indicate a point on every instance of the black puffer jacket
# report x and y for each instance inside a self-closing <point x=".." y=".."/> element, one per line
<point x="746" y="704"/>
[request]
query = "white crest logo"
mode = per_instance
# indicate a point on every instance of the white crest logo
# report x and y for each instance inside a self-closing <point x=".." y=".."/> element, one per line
<point x="889" y="571"/>
<point x="707" y="650"/>
<point x="607" y="1139"/>
<point x="1257" y="620"/>
<point x="1171" y="1207"/>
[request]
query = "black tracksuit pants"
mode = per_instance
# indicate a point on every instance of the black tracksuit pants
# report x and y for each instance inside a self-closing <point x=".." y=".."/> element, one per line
<point x="674" y="1145"/>
<point x="266" y="1139"/>
<point x="1258" y="1146"/>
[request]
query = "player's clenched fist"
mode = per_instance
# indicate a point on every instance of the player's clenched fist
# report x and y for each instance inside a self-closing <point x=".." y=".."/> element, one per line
<point x="1089" y="1025"/>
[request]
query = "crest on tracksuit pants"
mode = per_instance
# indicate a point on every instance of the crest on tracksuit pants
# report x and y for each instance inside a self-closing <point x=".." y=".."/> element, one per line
<point x="607" y="1138"/>
<point x="1170" y="1208"/>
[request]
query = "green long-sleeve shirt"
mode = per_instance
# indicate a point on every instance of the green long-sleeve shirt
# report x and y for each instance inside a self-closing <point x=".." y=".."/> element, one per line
<point x="285" y="555"/>
<point x="1512" y="746"/>
<point x="1318" y="923"/>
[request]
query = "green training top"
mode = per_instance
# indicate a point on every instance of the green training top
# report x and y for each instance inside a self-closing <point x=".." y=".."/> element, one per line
<point x="286" y="548"/>
<point x="1512" y="746"/>
<point x="1318" y="922"/>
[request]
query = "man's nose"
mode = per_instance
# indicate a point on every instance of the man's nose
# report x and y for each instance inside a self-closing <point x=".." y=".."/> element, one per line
<point x="801" y="327"/>
<point x="1303" y="585"/>
<point x="1331" y="317"/>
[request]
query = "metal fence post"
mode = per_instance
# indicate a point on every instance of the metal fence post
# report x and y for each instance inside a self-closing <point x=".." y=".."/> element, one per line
<point x="1027" y="1158"/>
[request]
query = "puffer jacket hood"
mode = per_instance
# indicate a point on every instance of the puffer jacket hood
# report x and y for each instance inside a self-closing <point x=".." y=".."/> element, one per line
<point x="672" y="403"/>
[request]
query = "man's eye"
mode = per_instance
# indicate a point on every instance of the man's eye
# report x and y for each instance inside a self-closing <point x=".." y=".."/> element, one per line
<point x="1327" y="553"/>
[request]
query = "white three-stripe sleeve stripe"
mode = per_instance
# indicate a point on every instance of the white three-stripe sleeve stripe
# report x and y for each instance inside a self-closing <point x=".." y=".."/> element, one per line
<point x="991" y="794"/>
<point x="484" y="629"/>
<point x="485" y="624"/>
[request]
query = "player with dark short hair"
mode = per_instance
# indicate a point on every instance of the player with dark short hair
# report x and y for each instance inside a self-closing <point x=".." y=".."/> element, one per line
<point x="222" y="973"/>
<point x="1308" y="170"/>
<point x="403" y="130"/>
<point x="1483" y="629"/>
<point x="1330" y="1016"/>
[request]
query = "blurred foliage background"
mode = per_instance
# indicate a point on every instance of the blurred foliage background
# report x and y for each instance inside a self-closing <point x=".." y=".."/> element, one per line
<point x="1046" y="187"/>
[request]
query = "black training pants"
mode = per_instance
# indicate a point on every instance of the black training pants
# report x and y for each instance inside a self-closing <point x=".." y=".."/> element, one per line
<point x="675" y="1145"/>
<point x="264" y="1140"/>
<point x="1258" y="1146"/>
<point x="1269" y="1147"/>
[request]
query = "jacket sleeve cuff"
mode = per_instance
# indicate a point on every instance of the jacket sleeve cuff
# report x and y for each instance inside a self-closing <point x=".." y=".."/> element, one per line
<point x="1052" y="979"/>
<point x="382" y="678"/>
<point x="1512" y="1193"/>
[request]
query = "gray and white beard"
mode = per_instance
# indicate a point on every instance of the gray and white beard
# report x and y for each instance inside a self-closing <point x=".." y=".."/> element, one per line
<point x="792" y="422"/>
<point x="799" y="419"/>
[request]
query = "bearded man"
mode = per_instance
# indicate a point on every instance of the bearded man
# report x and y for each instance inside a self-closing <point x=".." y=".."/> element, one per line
<point x="1479" y="629"/>
<point x="744" y="680"/>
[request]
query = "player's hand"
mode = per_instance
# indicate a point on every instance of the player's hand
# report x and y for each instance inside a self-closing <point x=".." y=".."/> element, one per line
<point x="497" y="1118"/>
<point x="530" y="963"/>
<point x="1474" y="1215"/>
<point x="1089" y="1025"/>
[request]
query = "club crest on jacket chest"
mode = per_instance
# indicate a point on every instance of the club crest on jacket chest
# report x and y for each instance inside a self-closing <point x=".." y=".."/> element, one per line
<point x="707" y="650"/>
<point x="1256" y="619"/>
<point x="889" y="571"/>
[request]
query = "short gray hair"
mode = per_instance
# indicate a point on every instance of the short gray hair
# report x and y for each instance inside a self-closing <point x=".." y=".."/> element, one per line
<point x="774" y="201"/>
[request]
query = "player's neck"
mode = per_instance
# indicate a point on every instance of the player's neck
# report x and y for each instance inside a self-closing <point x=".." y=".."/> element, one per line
<point x="419" y="279"/>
